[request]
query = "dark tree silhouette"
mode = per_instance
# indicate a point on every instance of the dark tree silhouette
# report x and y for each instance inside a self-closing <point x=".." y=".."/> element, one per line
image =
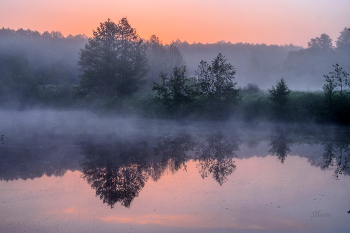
<point x="343" y="42"/>
<point x="336" y="92"/>
<point x="114" y="61"/>
<point x="323" y="42"/>
<point x="216" y="87"/>
<point x="216" y="80"/>
<point x="279" y="97"/>
<point x="175" y="90"/>
<point x="337" y="81"/>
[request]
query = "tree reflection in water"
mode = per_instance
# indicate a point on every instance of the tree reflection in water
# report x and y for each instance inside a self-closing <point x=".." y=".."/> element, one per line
<point x="116" y="171"/>
<point x="279" y="145"/>
<point x="337" y="154"/>
<point x="114" y="185"/>
<point x="173" y="151"/>
<point x="215" y="156"/>
<point x="119" y="170"/>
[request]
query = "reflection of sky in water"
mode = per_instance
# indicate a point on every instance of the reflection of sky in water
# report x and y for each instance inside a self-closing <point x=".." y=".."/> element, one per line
<point x="243" y="189"/>
<point x="262" y="193"/>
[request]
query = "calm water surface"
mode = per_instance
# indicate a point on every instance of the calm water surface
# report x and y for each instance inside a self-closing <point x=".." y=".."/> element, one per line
<point x="77" y="172"/>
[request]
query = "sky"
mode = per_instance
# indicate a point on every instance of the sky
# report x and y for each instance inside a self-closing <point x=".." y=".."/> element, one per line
<point x="206" y="21"/>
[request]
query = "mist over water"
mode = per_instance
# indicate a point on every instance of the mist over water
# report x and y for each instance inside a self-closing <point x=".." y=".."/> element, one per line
<point x="118" y="173"/>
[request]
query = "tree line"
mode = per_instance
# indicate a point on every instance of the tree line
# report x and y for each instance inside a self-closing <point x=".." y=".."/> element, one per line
<point x="120" y="70"/>
<point x="307" y="65"/>
<point x="263" y="64"/>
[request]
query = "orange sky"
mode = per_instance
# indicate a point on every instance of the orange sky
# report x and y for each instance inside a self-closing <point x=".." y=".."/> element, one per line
<point x="252" y="21"/>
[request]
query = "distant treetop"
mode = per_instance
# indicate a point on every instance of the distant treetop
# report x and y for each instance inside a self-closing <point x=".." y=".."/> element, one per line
<point x="323" y="42"/>
<point x="6" y="32"/>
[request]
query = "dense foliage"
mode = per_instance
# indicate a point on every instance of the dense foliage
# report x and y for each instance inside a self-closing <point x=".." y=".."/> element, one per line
<point x="213" y="92"/>
<point x="175" y="90"/>
<point x="216" y="80"/>
<point x="336" y="92"/>
<point x="279" y="97"/>
<point x="113" y="61"/>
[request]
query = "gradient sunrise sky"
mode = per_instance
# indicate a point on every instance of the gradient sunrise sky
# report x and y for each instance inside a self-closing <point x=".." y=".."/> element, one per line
<point x="252" y="21"/>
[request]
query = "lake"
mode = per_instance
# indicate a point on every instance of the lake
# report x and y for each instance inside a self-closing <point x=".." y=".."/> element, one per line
<point x="75" y="171"/>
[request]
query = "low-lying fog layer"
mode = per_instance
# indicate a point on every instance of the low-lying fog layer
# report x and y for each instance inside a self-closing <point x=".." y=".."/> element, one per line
<point x="29" y="124"/>
<point x="68" y="135"/>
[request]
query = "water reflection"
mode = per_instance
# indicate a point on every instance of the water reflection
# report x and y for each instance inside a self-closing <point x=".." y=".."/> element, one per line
<point x="172" y="152"/>
<point x="29" y="160"/>
<point x="337" y="154"/>
<point x="116" y="171"/>
<point x="215" y="156"/>
<point x="280" y="145"/>
<point x="119" y="169"/>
